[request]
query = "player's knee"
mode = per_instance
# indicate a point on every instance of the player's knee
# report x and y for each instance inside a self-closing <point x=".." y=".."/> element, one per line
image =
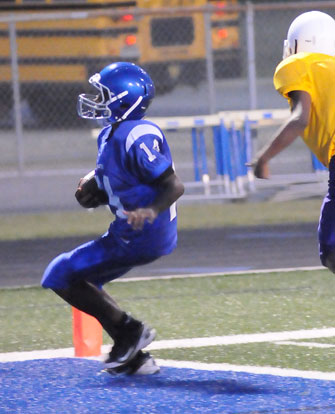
<point x="328" y="260"/>
<point x="56" y="275"/>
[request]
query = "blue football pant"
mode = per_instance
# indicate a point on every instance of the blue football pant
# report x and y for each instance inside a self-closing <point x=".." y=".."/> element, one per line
<point x="326" y="228"/>
<point x="97" y="262"/>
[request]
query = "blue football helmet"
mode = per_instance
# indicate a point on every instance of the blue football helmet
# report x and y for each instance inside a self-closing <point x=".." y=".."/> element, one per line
<point x="125" y="92"/>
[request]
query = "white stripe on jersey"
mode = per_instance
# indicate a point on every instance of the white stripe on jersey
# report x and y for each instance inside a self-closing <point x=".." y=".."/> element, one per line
<point x="139" y="131"/>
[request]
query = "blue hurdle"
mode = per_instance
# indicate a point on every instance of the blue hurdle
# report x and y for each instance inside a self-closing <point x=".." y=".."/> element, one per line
<point x="232" y="150"/>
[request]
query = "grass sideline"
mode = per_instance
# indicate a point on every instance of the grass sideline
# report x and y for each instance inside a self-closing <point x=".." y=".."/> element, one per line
<point x="32" y="318"/>
<point x="81" y="222"/>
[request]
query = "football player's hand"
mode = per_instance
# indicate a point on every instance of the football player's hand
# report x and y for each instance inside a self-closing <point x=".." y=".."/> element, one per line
<point x="261" y="168"/>
<point x="138" y="217"/>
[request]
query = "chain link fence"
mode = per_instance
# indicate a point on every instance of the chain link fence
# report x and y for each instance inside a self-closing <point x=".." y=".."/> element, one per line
<point x="202" y="59"/>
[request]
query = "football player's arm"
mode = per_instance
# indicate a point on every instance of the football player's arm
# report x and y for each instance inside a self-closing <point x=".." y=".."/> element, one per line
<point x="293" y="127"/>
<point x="170" y="189"/>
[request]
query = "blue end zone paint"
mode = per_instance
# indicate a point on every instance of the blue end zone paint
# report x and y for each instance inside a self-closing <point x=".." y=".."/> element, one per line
<point x="72" y="386"/>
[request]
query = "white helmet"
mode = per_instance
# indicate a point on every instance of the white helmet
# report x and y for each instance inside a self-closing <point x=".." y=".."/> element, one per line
<point x="312" y="32"/>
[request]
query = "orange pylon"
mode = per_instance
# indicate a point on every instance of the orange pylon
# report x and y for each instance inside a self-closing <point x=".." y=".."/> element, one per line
<point x="87" y="334"/>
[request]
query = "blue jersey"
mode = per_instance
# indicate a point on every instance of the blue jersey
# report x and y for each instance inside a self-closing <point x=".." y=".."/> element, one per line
<point x="129" y="162"/>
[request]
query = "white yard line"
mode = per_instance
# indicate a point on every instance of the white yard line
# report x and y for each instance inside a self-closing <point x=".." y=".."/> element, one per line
<point x="243" y="339"/>
<point x="282" y="372"/>
<point x="184" y="343"/>
<point x="42" y="354"/>
<point x="306" y="344"/>
<point x="237" y="272"/>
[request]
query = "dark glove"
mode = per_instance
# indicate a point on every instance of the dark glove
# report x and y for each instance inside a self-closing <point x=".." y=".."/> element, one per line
<point x="88" y="194"/>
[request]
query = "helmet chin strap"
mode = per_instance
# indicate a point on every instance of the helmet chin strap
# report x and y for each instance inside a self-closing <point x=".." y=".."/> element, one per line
<point x="286" y="49"/>
<point x="130" y="110"/>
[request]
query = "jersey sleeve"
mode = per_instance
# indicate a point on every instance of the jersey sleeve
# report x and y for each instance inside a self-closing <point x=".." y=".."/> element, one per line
<point x="292" y="74"/>
<point x="147" y="158"/>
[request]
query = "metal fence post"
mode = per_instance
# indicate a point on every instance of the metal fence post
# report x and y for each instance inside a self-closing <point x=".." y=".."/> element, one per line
<point x="16" y="96"/>
<point x="251" y="64"/>
<point x="209" y="64"/>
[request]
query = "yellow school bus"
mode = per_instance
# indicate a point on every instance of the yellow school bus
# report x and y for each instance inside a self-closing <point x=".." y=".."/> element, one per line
<point x="173" y="47"/>
<point x="56" y="57"/>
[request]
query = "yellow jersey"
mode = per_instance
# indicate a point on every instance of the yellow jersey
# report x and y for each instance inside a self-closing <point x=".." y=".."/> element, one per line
<point x="315" y="74"/>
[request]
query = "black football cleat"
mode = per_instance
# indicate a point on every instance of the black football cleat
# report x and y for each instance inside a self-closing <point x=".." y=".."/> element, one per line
<point x="142" y="364"/>
<point x="134" y="336"/>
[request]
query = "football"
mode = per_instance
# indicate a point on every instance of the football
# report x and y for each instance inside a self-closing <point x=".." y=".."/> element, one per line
<point x="88" y="194"/>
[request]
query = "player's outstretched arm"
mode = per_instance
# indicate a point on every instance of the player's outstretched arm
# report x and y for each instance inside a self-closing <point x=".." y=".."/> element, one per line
<point x="287" y="133"/>
<point x="170" y="189"/>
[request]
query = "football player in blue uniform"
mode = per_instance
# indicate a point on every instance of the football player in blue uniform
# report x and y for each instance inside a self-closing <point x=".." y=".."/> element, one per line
<point x="134" y="175"/>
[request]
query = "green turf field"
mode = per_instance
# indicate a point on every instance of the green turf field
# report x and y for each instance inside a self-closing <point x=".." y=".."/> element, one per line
<point x="196" y="307"/>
